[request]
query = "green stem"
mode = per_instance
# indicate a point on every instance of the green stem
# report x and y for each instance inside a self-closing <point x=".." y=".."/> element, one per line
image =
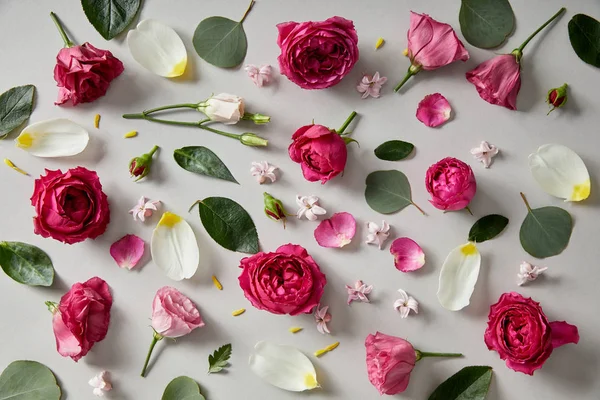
<point x="155" y="338"/>
<point x="151" y="152"/>
<point x="218" y="132"/>
<point x="347" y="122"/>
<point x="61" y="30"/>
<point x="525" y="200"/>
<point x="469" y="210"/>
<point x="408" y="75"/>
<point x="198" y="124"/>
<point x="170" y="107"/>
<point x="418" y="208"/>
<point x="247" y="11"/>
<point x="520" y="48"/>
<point x="423" y="354"/>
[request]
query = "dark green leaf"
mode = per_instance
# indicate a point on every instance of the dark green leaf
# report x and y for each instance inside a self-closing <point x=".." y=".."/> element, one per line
<point x="221" y="42"/>
<point x="584" y="33"/>
<point x="229" y="224"/>
<point x="16" y="105"/>
<point x="110" y="17"/>
<point x="200" y="160"/>
<point x="487" y="228"/>
<point x="388" y="191"/>
<point x="28" y="380"/>
<point x="486" y="23"/>
<point x="218" y="360"/>
<point x="394" y="150"/>
<point x="470" y="383"/>
<point x="26" y="264"/>
<point x="182" y="388"/>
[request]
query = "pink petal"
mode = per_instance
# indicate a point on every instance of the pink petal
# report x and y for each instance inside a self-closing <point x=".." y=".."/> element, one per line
<point x="563" y="333"/>
<point x="434" y="110"/>
<point x="336" y="231"/>
<point x="127" y="251"/>
<point x="408" y="255"/>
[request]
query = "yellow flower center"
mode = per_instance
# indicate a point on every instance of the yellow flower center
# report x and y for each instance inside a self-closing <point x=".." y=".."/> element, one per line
<point x="25" y="140"/>
<point x="169" y="219"/>
<point x="581" y="191"/>
<point x="469" y="249"/>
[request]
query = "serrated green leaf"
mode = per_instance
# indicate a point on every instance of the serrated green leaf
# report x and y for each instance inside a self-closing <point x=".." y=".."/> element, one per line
<point x="394" y="150"/>
<point x="110" y="17"/>
<point x="16" y="105"/>
<point x="388" y="191"/>
<point x="201" y="160"/>
<point x="487" y="228"/>
<point x="28" y="380"/>
<point x="182" y="388"/>
<point x="486" y="23"/>
<point x="584" y="34"/>
<point x="26" y="264"/>
<point x="219" y="359"/>
<point x="470" y="383"/>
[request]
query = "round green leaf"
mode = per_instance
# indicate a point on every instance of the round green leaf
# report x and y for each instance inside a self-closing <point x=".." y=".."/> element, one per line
<point x="182" y="388"/>
<point x="584" y="33"/>
<point x="486" y="23"/>
<point x="546" y="231"/>
<point x="487" y="228"/>
<point x="110" y="17"/>
<point x="26" y="264"/>
<point x="394" y="150"/>
<point x="16" y="105"/>
<point x="28" y="380"/>
<point x="229" y="224"/>
<point x="470" y="383"/>
<point x="200" y="160"/>
<point x="221" y="42"/>
<point x="388" y="191"/>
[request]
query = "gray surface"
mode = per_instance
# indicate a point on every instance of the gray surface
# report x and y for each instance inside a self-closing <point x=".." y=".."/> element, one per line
<point x="567" y="292"/>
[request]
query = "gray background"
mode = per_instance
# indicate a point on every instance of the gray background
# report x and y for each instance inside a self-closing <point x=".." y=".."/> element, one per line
<point x="567" y="291"/>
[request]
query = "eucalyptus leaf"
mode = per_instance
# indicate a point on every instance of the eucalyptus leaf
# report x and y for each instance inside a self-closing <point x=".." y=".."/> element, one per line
<point x="487" y="228"/>
<point x="110" y="17"/>
<point x="219" y="359"/>
<point x="228" y="224"/>
<point x="182" y="388"/>
<point x="394" y="150"/>
<point x="16" y="105"/>
<point x="28" y="380"/>
<point x="486" y="23"/>
<point x="470" y="383"/>
<point x="388" y="191"/>
<point x="201" y="160"/>
<point x="26" y="264"/>
<point x="584" y="33"/>
<point x="546" y="231"/>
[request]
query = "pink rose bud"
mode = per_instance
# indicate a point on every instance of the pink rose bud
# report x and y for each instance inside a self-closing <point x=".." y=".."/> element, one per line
<point x="274" y="208"/>
<point x="139" y="167"/>
<point x="557" y="97"/>
<point x="451" y="184"/>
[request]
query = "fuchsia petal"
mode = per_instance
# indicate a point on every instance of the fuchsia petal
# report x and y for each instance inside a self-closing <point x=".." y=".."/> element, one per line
<point x="336" y="231"/>
<point x="408" y="255"/>
<point x="127" y="251"/>
<point x="434" y="110"/>
<point x="563" y="333"/>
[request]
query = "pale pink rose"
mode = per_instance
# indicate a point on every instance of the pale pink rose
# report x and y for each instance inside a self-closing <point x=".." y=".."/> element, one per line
<point x="173" y="314"/>
<point x="127" y="251"/>
<point x="408" y="255"/>
<point x="434" y="110"/>
<point x="498" y="80"/>
<point x="336" y="231"/>
<point x="390" y="360"/>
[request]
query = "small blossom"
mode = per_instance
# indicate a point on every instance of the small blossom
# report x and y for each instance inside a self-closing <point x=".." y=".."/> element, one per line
<point x="371" y="85"/>
<point x="258" y="75"/>
<point x="359" y="292"/>
<point x="263" y="171"/>
<point x="322" y="317"/>
<point x="485" y="152"/>
<point x="309" y="207"/>
<point x="377" y="235"/>
<point x="100" y="383"/>
<point x="529" y="273"/>
<point x="406" y="303"/>
<point x="144" y="209"/>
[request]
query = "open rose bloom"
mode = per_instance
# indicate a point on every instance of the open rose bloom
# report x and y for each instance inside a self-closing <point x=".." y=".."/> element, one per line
<point x="451" y="184"/>
<point x="498" y="80"/>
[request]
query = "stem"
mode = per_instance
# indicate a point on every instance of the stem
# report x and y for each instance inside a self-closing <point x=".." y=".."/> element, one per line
<point x="469" y="210"/>
<point x="408" y="75"/>
<point x="247" y="11"/>
<point x="151" y="153"/>
<point x="520" y="48"/>
<point x="61" y="30"/>
<point x="419" y="208"/>
<point x="155" y="338"/>
<point x="183" y="123"/>
<point x="347" y="122"/>
<point x="526" y="202"/>
<point x="423" y="354"/>
<point x="170" y="107"/>
<point x="218" y="132"/>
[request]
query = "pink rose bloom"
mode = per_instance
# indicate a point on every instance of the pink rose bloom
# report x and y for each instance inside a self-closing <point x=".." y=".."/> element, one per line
<point x="173" y="314"/>
<point x="287" y="281"/>
<point x="317" y="54"/>
<point x="81" y="318"/>
<point x="70" y="207"/>
<point x="451" y="184"/>
<point x="498" y="80"/>
<point x="390" y="360"/>
<point x="320" y="151"/>
<point x="521" y="334"/>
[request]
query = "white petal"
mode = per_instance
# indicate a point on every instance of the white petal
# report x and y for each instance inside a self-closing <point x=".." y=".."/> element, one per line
<point x="560" y="172"/>
<point x="174" y="247"/>
<point x="158" y="48"/>
<point x="458" y="277"/>
<point x="283" y="366"/>
<point x="58" y="137"/>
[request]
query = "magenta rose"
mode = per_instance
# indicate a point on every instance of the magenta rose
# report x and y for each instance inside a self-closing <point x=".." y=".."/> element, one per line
<point x="451" y="184"/>
<point x="287" y="281"/>
<point x="70" y="207"/>
<point x="521" y="334"/>
<point x="317" y="54"/>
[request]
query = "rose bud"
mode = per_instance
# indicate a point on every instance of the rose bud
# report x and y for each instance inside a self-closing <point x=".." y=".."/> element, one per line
<point x="139" y="167"/>
<point x="274" y="208"/>
<point x="451" y="184"/>
<point x="224" y="107"/>
<point x="557" y="97"/>
<point x="253" y="140"/>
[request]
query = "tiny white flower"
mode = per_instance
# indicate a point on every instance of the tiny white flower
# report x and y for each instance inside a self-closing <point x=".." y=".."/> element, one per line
<point x="377" y="235"/>
<point x="258" y="75"/>
<point x="144" y="209"/>
<point x="263" y="171"/>
<point x="529" y="273"/>
<point x="406" y="303"/>
<point x="309" y="207"/>
<point x="359" y="292"/>
<point x="485" y="152"/>
<point x="100" y="383"/>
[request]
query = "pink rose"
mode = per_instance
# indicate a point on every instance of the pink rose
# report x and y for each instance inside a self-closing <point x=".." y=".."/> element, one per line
<point x="288" y="281"/>
<point x="451" y="184"/>
<point x="498" y="80"/>
<point x="173" y="314"/>
<point x="521" y="334"/>
<point x="70" y="207"/>
<point x="317" y="54"/>
<point x="320" y="151"/>
<point x="390" y="360"/>
<point x="81" y="318"/>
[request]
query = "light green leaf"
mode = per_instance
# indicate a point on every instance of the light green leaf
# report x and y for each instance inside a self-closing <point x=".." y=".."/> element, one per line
<point x="182" y="388"/>
<point x="388" y="191"/>
<point x="218" y="360"/>
<point x="584" y="33"/>
<point x="16" y="105"/>
<point x="28" y="380"/>
<point x="470" y="383"/>
<point x="487" y="228"/>
<point x="26" y="264"/>
<point x="486" y="23"/>
<point x="110" y="17"/>
<point x="200" y="160"/>
<point x="394" y="150"/>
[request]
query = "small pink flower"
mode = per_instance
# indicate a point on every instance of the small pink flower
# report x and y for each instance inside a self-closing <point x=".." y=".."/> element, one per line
<point x="263" y="171"/>
<point x="529" y="273"/>
<point x="434" y="110"/>
<point x="258" y="75"/>
<point x="322" y="317"/>
<point x="408" y="255"/>
<point x="359" y="292"/>
<point x="484" y="153"/>
<point x="377" y="235"/>
<point x="371" y="85"/>
<point x="127" y="251"/>
<point x="100" y="383"/>
<point x="405" y="304"/>
<point x="336" y="231"/>
<point x="143" y="209"/>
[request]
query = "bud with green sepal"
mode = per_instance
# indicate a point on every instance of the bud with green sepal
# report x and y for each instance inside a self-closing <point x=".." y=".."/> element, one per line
<point x="139" y="167"/>
<point x="557" y="97"/>
<point x="274" y="209"/>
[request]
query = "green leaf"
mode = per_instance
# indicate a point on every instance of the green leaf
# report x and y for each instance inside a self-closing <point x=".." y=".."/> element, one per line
<point x="182" y="388"/>
<point x="228" y="224"/>
<point x="486" y="23"/>
<point x="584" y="33"/>
<point x="388" y="191"/>
<point x="110" y="17"/>
<point x="487" y="228"/>
<point x="16" y="105"/>
<point x="394" y="150"/>
<point x="26" y="264"/>
<point x="470" y="383"/>
<point x="200" y="160"/>
<point x="218" y="360"/>
<point x="28" y="380"/>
